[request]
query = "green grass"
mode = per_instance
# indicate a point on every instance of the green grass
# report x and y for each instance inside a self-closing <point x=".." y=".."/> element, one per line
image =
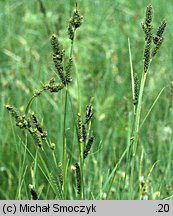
<point x="102" y="70"/>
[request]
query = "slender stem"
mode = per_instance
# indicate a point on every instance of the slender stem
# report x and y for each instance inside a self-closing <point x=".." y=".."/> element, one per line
<point x="64" y="136"/>
<point x="132" y="73"/>
<point x="65" y="147"/>
<point x="138" y="113"/>
<point x="81" y="147"/>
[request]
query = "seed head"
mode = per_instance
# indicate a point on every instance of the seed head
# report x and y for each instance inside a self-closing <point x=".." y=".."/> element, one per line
<point x="88" y="146"/>
<point x="136" y="87"/>
<point x="78" y="178"/>
<point x="79" y="128"/>
<point x="68" y="70"/>
<point x="74" y="23"/>
<point x="33" y="192"/>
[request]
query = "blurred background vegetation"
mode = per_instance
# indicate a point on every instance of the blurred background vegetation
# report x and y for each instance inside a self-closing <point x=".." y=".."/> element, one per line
<point x="102" y="59"/>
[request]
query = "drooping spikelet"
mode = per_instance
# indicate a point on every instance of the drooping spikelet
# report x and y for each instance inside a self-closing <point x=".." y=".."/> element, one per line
<point x="74" y="23"/>
<point x="52" y="86"/>
<point x="38" y="126"/>
<point x="36" y="136"/>
<point x="21" y="120"/>
<point x="78" y="178"/>
<point x="88" y="146"/>
<point x="31" y="124"/>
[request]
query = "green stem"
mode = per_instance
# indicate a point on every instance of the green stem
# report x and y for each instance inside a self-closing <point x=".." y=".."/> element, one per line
<point x="64" y="136"/>
<point x="65" y="148"/>
<point x="138" y="113"/>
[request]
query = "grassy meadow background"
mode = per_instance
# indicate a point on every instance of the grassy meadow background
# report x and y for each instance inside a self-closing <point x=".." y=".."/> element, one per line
<point x="102" y="61"/>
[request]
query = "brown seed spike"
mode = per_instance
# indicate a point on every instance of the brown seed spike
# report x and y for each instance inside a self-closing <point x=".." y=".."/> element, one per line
<point x="149" y="15"/>
<point x="161" y="29"/>
<point x="78" y="178"/>
<point x="33" y="192"/>
<point x="88" y="147"/>
<point x="79" y="128"/>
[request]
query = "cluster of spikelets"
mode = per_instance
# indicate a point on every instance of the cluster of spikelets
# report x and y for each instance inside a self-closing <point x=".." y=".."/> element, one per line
<point x="157" y="39"/>
<point x="82" y="127"/>
<point x="152" y="45"/>
<point x="30" y="123"/>
<point x="84" y="138"/>
<point x="63" y="68"/>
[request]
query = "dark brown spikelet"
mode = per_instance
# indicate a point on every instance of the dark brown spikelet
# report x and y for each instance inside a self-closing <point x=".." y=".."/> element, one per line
<point x="33" y="193"/>
<point x="147" y="25"/>
<point x="78" y="178"/>
<point x="38" y="126"/>
<point x="21" y="120"/>
<point x="157" y="46"/>
<point x="161" y="29"/>
<point x="74" y="23"/>
<point x="147" y="56"/>
<point x="36" y="136"/>
<point x="158" y="38"/>
<point x="84" y="133"/>
<point x="12" y="111"/>
<point x="136" y="88"/>
<point x="88" y="146"/>
<point x="147" y="28"/>
<point x="79" y="128"/>
<point x="149" y="15"/>
<point x="89" y="111"/>
<point x="58" y="58"/>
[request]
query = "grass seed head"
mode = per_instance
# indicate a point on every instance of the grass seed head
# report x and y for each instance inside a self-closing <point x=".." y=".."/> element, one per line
<point x="78" y="178"/>
<point x="53" y="87"/>
<point x="36" y="136"/>
<point x="147" y="25"/>
<point x="136" y="87"/>
<point x="68" y="71"/>
<point x="89" y="111"/>
<point x="74" y="23"/>
<point x="88" y="146"/>
<point x="33" y="192"/>
<point x="79" y="128"/>
<point x="158" y="38"/>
